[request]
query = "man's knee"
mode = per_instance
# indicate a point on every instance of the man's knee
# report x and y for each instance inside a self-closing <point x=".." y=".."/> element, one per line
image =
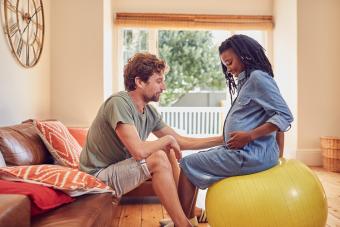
<point x="158" y="161"/>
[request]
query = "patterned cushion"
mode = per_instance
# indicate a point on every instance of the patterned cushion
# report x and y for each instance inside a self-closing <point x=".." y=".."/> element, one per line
<point x="60" y="143"/>
<point x="71" y="181"/>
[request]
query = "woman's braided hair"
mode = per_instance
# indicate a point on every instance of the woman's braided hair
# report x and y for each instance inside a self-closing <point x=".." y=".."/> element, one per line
<point x="251" y="54"/>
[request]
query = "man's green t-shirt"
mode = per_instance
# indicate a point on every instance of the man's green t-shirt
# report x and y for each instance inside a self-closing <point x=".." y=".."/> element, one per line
<point x="103" y="146"/>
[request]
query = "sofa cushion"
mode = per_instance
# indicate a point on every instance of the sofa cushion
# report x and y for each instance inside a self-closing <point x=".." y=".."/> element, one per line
<point x="79" y="134"/>
<point x="42" y="198"/>
<point x="69" y="180"/>
<point x="60" y="143"/>
<point x="21" y="145"/>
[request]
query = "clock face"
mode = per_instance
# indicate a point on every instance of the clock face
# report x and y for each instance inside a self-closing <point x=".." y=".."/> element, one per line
<point x="24" y="27"/>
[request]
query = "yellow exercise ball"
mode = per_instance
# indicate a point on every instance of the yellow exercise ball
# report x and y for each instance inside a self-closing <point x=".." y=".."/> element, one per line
<point x="288" y="195"/>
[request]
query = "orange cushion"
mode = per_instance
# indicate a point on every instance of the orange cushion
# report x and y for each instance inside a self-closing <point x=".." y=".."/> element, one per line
<point x="79" y="134"/>
<point x="71" y="181"/>
<point x="59" y="142"/>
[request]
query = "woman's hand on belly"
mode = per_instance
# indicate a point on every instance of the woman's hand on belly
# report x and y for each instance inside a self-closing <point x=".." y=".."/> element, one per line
<point x="238" y="139"/>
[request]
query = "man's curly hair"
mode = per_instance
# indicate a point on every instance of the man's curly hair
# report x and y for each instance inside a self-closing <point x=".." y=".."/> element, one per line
<point x="143" y="66"/>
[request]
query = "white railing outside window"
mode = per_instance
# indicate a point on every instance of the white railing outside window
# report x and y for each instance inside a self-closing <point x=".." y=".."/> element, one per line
<point x="195" y="121"/>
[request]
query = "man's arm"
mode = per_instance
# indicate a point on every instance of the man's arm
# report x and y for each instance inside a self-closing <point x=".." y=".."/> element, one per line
<point x="189" y="143"/>
<point x="139" y="149"/>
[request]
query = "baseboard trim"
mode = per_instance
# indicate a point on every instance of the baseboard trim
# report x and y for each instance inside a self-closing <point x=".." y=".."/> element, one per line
<point x="311" y="157"/>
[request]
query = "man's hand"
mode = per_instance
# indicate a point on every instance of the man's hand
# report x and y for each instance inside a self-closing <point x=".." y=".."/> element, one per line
<point x="238" y="139"/>
<point x="173" y="145"/>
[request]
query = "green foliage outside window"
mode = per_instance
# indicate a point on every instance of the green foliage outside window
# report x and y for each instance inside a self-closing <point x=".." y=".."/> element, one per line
<point x="194" y="63"/>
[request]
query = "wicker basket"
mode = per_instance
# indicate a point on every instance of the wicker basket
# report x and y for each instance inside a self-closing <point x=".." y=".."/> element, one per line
<point x="330" y="147"/>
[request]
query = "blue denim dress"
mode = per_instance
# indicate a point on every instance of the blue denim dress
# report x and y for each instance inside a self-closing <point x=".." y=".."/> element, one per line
<point x="258" y="101"/>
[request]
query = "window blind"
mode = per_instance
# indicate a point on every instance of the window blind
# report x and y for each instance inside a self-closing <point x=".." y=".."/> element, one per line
<point x="194" y="21"/>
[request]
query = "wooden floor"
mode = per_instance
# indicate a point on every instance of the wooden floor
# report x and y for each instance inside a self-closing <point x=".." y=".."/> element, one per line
<point x="147" y="213"/>
<point x="331" y="184"/>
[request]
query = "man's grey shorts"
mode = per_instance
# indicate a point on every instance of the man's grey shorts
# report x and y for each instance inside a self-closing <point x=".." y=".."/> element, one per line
<point x="125" y="175"/>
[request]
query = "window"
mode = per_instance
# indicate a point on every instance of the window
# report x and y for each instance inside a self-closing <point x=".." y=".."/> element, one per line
<point x="134" y="40"/>
<point x="195" y="77"/>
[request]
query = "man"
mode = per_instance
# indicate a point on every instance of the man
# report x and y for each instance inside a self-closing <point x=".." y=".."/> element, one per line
<point x="116" y="151"/>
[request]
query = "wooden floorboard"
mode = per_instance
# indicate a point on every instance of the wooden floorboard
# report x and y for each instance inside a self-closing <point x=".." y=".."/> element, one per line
<point x="151" y="214"/>
<point x="116" y="216"/>
<point x="131" y="215"/>
<point x="146" y="214"/>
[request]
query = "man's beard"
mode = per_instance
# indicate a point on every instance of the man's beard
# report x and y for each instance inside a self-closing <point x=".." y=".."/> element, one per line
<point x="154" y="98"/>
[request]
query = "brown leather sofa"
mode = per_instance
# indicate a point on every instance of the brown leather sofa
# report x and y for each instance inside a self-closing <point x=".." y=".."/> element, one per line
<point x="21" y="145"/>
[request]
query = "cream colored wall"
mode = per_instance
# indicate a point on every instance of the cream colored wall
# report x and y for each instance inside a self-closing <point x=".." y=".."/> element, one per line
<point x="78" y="67"/>
<point x="25" y="93"/>
<point x="108" y="55"/>
<point x="285" y="63"/>
<point x="319" y="74"/>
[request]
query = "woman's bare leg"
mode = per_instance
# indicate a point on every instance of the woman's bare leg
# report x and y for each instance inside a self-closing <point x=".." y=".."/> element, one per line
<point x="187" y="193"/>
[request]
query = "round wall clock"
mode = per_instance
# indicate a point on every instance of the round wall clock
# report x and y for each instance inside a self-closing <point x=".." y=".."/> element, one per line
<point x="23" y="22"/>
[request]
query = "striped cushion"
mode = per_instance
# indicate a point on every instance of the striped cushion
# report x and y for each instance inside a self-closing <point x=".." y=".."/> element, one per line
<point x="69" y="180"/>
<point x="59" y="142"/>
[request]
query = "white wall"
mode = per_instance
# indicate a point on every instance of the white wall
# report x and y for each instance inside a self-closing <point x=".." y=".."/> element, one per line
<point x="25" y="93"/>
<point x="285" y="63"/>
<point x="78" y="66"/>
<point x="318" y="75"/>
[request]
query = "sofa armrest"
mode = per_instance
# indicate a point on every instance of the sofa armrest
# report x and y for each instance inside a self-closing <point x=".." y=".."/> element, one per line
<point x="87" y="211"/>
<point x="15" y="210"/>
<point x="79" y="134"/>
